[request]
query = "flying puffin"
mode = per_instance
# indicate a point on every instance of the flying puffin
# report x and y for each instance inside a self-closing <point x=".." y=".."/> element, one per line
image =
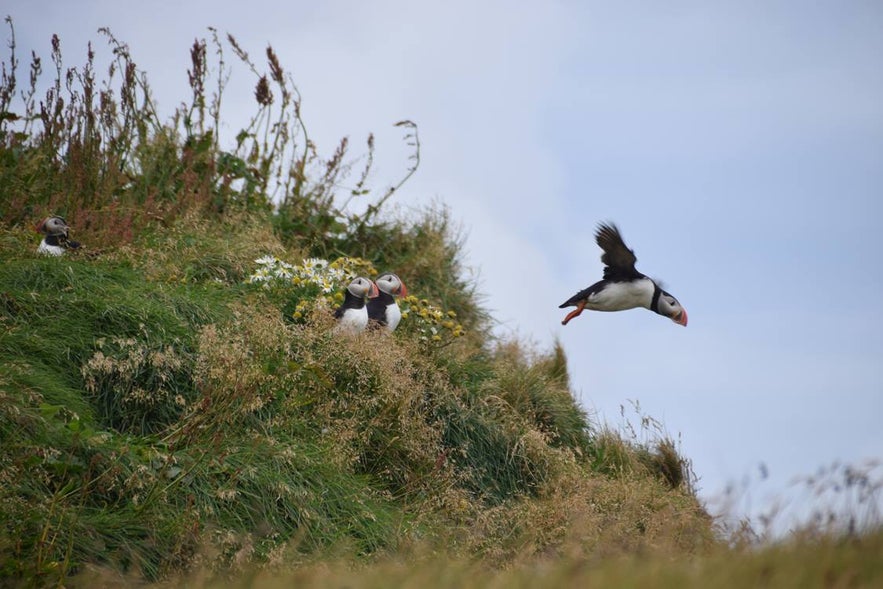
<point x="55" y="241"/>
<point x="623" y="286"/>
<point x="383" y="308"/>
<point x="352" y="315"/>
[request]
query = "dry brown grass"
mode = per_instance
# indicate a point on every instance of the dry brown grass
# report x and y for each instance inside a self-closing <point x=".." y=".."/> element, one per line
<point x="800" y="563"/>
<point x="595" y="518"/>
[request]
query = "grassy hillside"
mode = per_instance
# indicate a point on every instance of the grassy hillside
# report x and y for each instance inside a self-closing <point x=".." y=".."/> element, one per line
<point x="152" y="410"/>
<point x="174" y="401"/>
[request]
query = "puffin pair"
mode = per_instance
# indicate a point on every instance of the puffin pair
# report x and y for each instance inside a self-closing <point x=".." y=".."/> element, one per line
<point x="623" y="287"/>
<point x="56" y="240"/>
<point x="366" y="300"/>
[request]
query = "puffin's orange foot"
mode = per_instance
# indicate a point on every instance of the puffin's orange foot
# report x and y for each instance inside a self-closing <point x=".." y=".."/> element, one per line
<point x="575" y="312"/>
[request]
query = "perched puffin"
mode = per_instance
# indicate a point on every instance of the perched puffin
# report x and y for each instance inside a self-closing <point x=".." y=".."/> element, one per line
<point x="55" y="241"/>
<point x="383" y="308"/>
<point x="623" y="286"/>
<point x="352" y="315"/>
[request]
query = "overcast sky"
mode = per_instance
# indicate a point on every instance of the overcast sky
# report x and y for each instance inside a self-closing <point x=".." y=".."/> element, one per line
<point x="738" y="146"/>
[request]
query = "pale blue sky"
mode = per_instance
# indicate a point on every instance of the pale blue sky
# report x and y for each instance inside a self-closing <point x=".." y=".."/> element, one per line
<point x="738" y="145"/>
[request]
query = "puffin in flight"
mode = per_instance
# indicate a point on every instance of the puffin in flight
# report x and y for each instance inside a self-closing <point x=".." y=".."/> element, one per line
<point x="56" y="237"/>
<point x="623" y="286"/>
<point x="352" y="315"/>
<point x="383" y="308"/>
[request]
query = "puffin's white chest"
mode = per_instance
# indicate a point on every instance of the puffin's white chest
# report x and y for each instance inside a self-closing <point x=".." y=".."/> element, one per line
<point x="353" y="320"/>
<point x="393" y="316"/>
<point x="49" y="250"/>
<point x="619" y="296"/>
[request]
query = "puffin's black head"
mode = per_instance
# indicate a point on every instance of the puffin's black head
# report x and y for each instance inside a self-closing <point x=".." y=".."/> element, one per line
<point x="391" y="285"/>
<point x="53" y="226"/>
<point x="668" y="306"/>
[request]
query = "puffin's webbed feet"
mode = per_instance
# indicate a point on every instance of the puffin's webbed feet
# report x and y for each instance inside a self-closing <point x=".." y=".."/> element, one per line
<point x="579" y="309"/>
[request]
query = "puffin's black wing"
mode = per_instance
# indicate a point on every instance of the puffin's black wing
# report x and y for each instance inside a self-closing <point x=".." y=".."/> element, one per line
<point x="619" y="260"/>
<point x="347" y="304"/>
<point x="583" y="295"/>
<point x="377" y="307"/>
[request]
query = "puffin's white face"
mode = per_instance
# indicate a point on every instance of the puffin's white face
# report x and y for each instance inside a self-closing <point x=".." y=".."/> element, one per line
<point x="671" y="308"/>
<point x="363" y="288"/>
<point x="53" y="226"/>
<point x="392" y="284"/>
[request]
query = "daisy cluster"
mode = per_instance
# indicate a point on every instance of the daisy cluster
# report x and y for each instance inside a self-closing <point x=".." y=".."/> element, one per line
<point x="327" y="276"/>
<point x="432" y="323"/>
<point x="315" y="282"/>
<point x="313" y="272"/>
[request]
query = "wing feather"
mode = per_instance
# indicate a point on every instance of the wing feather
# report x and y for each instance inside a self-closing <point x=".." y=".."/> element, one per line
<point x="618" y="259"/>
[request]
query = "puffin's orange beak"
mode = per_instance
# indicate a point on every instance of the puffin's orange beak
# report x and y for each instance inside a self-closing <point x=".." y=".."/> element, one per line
<point x="374" y="292"/>
<point x="403" y="290"/>
<point x="681" y="318"/>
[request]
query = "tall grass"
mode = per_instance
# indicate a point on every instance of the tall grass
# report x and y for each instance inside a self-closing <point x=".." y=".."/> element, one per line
<point x="92" y="147"/>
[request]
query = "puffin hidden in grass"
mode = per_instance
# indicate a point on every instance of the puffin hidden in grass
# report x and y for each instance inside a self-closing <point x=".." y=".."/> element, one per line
<point x="352" y="315"/>
<point x="383" y="308"/>
<point x="623" y="286"/>
<point x="56" y="240"/>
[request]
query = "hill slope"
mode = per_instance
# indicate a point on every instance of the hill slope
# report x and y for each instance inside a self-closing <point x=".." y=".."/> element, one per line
<point x="153" y="414"/>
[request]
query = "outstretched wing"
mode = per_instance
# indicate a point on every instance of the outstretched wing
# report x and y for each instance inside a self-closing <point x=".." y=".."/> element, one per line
<point x="619" y="260"/>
